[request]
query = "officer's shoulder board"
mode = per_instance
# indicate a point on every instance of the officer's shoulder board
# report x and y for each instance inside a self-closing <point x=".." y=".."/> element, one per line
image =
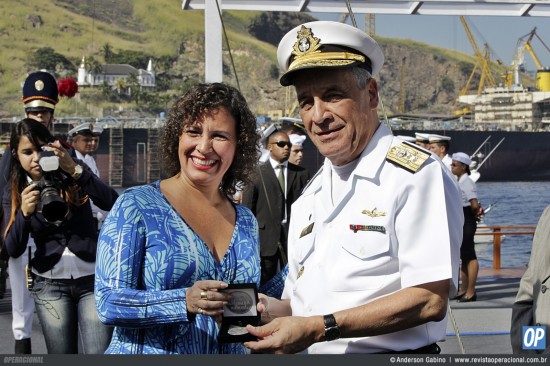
<point x="407" y="156"/>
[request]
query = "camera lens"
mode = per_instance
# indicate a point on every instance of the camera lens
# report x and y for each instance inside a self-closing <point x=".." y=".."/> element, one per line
<point x="54" y="207"/>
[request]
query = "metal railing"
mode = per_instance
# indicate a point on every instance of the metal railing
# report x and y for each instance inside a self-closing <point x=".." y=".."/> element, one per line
<point x="497" y="232"/>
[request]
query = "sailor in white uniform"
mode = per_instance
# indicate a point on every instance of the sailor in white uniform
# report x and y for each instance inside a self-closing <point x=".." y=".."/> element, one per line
<point x="374" y="238"/>
<point x="439" y="145"/>
<point x="85" y="140"/>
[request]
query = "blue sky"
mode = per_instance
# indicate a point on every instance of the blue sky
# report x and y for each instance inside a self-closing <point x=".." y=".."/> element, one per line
<point x="500" y="33"/>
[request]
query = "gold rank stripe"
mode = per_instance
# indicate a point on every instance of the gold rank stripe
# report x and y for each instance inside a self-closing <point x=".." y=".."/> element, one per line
<point x="407" y="156"/>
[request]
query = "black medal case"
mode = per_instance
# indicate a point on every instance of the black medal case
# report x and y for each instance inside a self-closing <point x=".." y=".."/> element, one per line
<point x="239" y="312"/>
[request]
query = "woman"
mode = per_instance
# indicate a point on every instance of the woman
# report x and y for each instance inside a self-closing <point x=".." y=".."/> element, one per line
<point x="470" y="266"/>
<point x="166" y="248"/>
<point x="49" y="200"/>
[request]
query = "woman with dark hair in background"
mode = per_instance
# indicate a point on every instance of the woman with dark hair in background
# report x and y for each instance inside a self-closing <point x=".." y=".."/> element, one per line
<point x="167" y="248"/>
<point x="49" y="201"/>
<point x="469" y="268"/>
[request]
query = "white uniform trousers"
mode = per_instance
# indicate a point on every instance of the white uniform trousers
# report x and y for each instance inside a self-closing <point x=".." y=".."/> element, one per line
<point x="22" y="303"/>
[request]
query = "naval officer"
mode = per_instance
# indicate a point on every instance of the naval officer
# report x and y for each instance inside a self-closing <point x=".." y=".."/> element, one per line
<point x="439" y="145"/>
<point x="85" y="141"/>
<point x="374" y="238"/>
<point x="422" y="140"/>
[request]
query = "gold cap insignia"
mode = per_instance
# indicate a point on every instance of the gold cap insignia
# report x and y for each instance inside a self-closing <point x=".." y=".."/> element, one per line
<point x="306" y="42"/>
<point x="407" y="156"/>
<point x="39" y="85"/>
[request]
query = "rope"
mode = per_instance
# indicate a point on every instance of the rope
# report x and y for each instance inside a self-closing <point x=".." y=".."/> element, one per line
<point x="458" y="338"/>
<point x="228" y="47"/>
<point x="351" y="15"/>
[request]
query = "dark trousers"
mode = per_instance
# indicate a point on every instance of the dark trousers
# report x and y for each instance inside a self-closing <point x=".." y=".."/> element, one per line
<point x="269" y="266"/>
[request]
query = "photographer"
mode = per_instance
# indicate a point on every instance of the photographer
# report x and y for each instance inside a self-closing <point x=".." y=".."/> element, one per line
<point x="49" y="200"/>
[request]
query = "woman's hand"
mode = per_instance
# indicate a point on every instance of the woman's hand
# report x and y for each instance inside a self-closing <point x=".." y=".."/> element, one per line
<point x="66" y="162"/>
<point x="29" y="199"/>
<point x="205" y="299"/>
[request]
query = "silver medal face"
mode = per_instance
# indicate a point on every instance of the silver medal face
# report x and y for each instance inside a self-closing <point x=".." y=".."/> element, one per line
<point x="240" y="303"/>
<point x="236" y="330"/>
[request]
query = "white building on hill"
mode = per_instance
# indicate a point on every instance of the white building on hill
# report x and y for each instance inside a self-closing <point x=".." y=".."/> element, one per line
<point x="110" y="73"/>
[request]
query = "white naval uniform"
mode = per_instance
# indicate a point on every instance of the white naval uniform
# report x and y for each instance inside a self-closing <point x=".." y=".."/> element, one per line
<point x="447" y="161"/>
<point x="98" y="213"/>
<point x="22" y="303"/>
<point x="416" y="224"/>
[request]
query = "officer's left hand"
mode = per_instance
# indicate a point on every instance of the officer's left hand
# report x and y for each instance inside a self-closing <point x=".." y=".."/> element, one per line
<point x="289" y="334"/>
<point x="66" y="162"/>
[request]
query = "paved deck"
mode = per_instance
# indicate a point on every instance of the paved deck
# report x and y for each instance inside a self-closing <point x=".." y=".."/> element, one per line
<point x="484" y="325"/>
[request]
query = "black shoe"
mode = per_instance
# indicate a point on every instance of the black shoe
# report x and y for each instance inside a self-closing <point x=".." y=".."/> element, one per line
<point x="23" y="346"/>
<point x="468" y="299"/>
<point x="458" y="296"/>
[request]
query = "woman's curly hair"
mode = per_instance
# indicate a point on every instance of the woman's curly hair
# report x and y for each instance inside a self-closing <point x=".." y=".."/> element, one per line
<point x="194" y="106"/>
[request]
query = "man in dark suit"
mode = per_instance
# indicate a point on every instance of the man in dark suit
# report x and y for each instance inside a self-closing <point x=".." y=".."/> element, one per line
<point x="277" y="185"/>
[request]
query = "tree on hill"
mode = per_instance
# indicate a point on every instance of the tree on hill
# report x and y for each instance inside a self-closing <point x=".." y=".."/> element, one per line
<point x="47" y="58"/>
<point x="270" y="27"/>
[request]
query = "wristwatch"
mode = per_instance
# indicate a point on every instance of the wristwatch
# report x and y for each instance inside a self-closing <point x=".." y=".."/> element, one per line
<point x="77" y="171"/>
<point x="332" y="331"/>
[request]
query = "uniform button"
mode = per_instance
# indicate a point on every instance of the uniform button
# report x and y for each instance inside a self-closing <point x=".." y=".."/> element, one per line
<point x="543" y="288"/>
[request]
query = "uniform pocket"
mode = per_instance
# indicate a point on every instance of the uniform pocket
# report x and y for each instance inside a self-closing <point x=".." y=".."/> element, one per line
<point x="361" y="261"/>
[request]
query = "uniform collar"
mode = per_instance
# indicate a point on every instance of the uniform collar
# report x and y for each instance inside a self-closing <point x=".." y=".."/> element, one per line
<point x="372" y="157"/>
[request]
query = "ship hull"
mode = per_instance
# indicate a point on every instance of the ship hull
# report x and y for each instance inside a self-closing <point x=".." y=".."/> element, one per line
<point x="522" y="156"/>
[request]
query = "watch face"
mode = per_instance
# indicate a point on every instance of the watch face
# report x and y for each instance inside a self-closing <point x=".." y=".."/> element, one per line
<point x="332" y="333"/>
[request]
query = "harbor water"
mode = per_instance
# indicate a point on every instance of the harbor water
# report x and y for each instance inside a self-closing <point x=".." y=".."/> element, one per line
<point x="514" y="203"/>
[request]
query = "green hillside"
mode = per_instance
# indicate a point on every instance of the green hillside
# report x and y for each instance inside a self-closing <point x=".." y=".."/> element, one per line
<point x="174" y="40"/>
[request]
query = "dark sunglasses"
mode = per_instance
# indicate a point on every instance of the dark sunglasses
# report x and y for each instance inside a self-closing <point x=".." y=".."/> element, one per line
<point x="282" y="143"/>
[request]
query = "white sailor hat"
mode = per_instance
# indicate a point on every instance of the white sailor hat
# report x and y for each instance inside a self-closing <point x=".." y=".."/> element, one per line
<point x="83" y="129"/>
<point x="422" y="137"/>
<point x="462" y="157"/>
<point x="97" y="130"/>
<point x="327" y="44"/>
<point x="407" y="138"/>
<point x="296" y="140"/>
<point x="439" y="138"/>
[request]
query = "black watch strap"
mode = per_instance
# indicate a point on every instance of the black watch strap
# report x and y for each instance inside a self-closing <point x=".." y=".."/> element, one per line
<point x="332" y="332"/>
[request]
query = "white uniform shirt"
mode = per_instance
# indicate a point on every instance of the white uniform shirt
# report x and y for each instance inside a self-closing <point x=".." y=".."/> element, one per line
<point x="468" y="189"/>
<point x="413" y="237"/>
<point x="99" y="214"/>
<point x="447" y="161"/>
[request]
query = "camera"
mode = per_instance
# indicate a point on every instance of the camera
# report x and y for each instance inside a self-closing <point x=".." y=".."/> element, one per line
<point x="54" y="207"/>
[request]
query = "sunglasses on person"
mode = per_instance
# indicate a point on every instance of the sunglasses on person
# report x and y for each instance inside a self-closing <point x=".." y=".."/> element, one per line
<point x="282" y="143"/>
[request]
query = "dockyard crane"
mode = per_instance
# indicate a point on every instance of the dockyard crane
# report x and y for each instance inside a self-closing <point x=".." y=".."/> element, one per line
<point x="524" y="43"/>
<point x="483" y="62"/>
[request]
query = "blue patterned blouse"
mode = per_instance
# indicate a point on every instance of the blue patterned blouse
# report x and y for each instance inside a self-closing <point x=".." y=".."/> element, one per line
<point x="147" y="257"/>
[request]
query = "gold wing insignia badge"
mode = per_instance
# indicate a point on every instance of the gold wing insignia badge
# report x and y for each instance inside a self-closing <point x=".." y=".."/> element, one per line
<point x="373" y="213"/>
<point x="407" y="156"/>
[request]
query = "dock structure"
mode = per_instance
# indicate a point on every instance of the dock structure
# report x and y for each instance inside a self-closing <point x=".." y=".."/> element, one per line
<point x="116" y="156"/>
<point x="153" y="155"/>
